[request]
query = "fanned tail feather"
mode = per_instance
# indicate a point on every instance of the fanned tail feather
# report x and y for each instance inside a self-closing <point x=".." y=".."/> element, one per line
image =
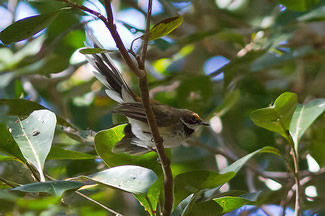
<point x="107" y="73"/>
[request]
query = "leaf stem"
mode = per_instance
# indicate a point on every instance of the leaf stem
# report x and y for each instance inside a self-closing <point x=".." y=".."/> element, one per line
<point x="295" y="158"/>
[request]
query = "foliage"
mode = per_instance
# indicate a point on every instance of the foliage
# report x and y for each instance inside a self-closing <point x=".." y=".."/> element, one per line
<point x="265" y="106"/>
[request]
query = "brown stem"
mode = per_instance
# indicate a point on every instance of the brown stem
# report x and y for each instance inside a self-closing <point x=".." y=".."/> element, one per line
<point x="146" y="38"/>
<point x="31" y="168"/>
<point x="165" y="163"/>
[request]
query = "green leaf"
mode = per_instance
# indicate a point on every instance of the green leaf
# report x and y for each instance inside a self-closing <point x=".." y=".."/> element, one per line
<point x="55" y="188"/>
<point x="238" y="164"/>
<point x="230" y="203"/>
<point x="194" y="181"/>
<point x="105" y="141"/>
<point x="150" y="200"/>
<point x="303" y="117"/>
<point x="164" y="27"/>
<point x="129" y="178"/>
<point x="209" y="208"/>
<point x="34" y="136"/>
<point x="298" y="5"/>
<point x="8" y="145"/>
<point x="57" y="153"/>
<point x="277" y="117"/>
<point x="27" y="27"/>
<point x="23" y="108"/>
<point x="93" y="50"/>
<point x="314" y="15"/>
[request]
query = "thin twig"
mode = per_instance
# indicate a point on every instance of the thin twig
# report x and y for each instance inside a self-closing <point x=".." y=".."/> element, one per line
<point x="33" y="172"/>
<point x="98" y="203"/>
<point x="7" y="182"/>
<point x="118" y="41"/>
<point x="146" y="38"/>
<point x="90" y="199"/>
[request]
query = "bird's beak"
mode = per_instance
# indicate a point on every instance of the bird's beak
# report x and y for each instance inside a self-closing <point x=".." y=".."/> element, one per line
<point x="205" y="123"/>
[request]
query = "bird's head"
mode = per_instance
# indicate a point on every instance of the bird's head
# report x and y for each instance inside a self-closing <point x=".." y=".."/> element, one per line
<point x="192" y="120"/>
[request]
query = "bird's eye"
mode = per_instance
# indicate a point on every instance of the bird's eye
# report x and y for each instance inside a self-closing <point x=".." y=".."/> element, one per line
<point x="193" y="119"/>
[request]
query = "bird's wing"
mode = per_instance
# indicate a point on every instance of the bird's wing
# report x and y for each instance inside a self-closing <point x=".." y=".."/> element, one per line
<point x="164" y="114"/>
<point x="132" y="110"/>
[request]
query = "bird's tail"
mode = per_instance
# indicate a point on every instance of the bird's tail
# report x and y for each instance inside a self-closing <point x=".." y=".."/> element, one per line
<point x="107" y="73"/>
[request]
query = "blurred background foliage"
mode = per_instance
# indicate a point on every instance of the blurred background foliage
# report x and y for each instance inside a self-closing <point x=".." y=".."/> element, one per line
<point x="227" y="58"/>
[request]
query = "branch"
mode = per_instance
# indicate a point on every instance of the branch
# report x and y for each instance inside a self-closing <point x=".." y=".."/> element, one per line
<point x="146" y="38"/>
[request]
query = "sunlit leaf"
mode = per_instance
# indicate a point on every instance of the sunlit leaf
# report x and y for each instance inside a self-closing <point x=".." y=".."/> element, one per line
<point x="165" y="27"/>
<point x="129" y="178"/>
<point x="303" y="117"/>
<point x="27" y="27"/>
<point x="34" y="136"/>
<point x="277" y="117"/>
<point x="55" y="188"/>
<point x="23" y="108"/>
<point x="238" y="164"/>
<point x="230" y="203"/>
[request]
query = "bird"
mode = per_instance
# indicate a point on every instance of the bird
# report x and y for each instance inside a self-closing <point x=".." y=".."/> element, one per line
<point x="175" y="125"/>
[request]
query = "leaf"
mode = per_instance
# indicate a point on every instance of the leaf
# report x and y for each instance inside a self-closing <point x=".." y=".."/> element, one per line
<point x="129" y="178"/>
<point x="298" y="5"/>
<point x="93" y="50"/>
<point x="314" y="15"/>
<point x="58" y="153"/>
<point x="34" y="136"/>
<point x="303" y="117"/>
<point x="277" y="117"/>
<point x="238" y="164"/>
<point x="55" y="188"/>
<point x="23" y="108"/>
<point x="209" y="208"/>
<point x="150" y="200"/>
<point x="230" y="203"/>
<point x="105" y="141"/>
<point x="8" y="145"/>
<point x="164" y="27"/>
<point x="27" y="27"/>
<point x="194" y="181"/>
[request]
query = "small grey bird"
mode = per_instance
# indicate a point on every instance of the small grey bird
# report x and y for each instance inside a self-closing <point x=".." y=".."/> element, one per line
<point x="175" y="125"/>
